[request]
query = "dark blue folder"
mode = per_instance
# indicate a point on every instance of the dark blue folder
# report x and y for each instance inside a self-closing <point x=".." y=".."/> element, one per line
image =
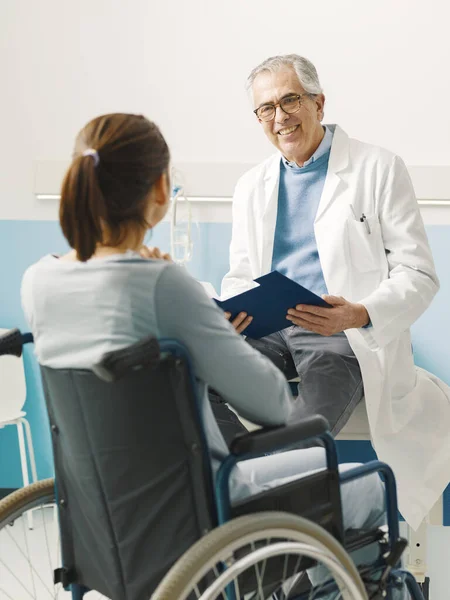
<point x="269" y="302"/>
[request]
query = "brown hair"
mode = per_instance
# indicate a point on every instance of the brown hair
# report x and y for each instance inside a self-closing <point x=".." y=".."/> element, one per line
<point x="109" y="191"/>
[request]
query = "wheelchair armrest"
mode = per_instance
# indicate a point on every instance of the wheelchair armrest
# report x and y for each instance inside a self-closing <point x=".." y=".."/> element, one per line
<point x="270" y="439"/>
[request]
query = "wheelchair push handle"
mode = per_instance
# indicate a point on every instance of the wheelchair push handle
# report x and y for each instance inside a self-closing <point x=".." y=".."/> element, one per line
<point x="12" y="342"/>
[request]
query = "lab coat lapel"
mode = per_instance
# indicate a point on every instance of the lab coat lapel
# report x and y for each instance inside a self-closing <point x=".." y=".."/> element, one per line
<point x="339" y="157"/>
<point x="271" y="181"/>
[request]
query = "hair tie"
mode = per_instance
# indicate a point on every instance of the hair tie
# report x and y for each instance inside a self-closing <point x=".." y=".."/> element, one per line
<point x="94" y="154"/>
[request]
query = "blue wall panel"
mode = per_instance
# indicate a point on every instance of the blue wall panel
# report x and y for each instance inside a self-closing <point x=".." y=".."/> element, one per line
<point x="21" y="244"/>
<point x="431" y="333"/>
<point x="24" y="242"/>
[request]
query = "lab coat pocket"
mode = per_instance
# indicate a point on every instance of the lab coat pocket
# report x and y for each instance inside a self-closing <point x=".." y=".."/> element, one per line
<point x="365" y="243"/>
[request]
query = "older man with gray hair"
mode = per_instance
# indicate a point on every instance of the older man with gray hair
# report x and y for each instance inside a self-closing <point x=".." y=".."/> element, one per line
<point x="340" y="217"/>
<point x="289" y="104"/>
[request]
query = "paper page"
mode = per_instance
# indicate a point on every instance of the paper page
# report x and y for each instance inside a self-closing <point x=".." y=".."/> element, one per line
<point x="209" y="289"/>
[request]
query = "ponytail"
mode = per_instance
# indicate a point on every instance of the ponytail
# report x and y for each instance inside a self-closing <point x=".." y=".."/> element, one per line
<point x="82" y="207"/>
<point x="105" y="193"/>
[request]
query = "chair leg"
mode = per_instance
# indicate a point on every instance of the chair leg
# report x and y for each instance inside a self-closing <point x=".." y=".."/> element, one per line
<point x="24" y="465"/>
<point x="30" y="449"/>
<point x="416" y="561"/>
<point x="414" y="588"/>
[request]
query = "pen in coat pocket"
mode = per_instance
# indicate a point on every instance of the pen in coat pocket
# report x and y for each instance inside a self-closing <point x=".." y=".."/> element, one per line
<point x="363" y="219"/>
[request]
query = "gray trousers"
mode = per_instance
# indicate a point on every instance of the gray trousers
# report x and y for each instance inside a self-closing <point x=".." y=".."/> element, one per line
<point x="330" y="378"/>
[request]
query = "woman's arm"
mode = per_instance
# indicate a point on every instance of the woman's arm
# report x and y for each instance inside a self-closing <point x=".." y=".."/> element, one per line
<point x="221" y="358"/>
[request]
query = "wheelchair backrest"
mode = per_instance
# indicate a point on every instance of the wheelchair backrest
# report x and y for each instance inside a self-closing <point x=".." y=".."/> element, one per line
<point x="132" y="470"/>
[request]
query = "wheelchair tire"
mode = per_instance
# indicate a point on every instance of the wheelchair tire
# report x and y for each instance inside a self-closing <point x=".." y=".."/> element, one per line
<point x="202" y="562"/>
<point x="24" y="499"/>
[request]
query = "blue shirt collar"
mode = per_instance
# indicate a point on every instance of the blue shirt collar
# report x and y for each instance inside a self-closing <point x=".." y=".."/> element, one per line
<point x="322" y="149"/>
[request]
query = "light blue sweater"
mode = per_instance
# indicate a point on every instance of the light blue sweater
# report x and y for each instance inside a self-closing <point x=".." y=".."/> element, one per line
<point x="300" y="189"/>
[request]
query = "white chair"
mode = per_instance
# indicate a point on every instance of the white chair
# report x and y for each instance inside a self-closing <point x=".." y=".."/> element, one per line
<point x="12" y="398"/>
<point x="357" y="427"/>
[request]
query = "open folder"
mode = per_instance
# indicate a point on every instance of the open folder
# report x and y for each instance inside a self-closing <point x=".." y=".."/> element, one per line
<point x="269" y="302"/>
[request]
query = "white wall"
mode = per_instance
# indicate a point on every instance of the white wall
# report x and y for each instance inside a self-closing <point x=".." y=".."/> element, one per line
<point x="384" y="67"/>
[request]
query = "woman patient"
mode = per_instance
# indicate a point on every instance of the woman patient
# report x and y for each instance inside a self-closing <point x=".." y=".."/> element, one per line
<point x="110" y="291"/>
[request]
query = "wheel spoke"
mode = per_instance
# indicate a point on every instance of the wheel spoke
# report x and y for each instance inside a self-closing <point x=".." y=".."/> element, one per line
<point x="284" y="576"/>
<point x="49" y="558"/>
<point x="265" y="562"/>
<point x="237" y="591"/>
<point x="17" y="579"/>
<point x="28" y="551"/>
<point x="33" y="571"/>
<point x="26" y="555"/>
<point x="217" y="575"/>
<point x="292" y="581"/>
<point x="258" y="577"/>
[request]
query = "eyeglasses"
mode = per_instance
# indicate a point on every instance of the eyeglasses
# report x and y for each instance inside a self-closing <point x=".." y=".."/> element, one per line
<point x="289" y="104"/>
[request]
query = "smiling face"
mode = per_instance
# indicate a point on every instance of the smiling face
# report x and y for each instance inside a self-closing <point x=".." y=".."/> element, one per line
<point x="296" y="135"/>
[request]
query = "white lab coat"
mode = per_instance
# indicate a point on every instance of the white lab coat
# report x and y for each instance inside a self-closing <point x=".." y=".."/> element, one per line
<point x="391" y="272"/>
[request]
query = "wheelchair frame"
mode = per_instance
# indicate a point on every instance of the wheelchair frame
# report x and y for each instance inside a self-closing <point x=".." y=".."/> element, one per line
<point x="255" y="445"/>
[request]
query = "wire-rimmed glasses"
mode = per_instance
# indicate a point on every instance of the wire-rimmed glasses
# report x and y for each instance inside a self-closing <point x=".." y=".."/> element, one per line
<point x="290" y="104"/>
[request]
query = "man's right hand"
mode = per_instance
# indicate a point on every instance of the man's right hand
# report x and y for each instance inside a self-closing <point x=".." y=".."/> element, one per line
<point x="241" y="322"/>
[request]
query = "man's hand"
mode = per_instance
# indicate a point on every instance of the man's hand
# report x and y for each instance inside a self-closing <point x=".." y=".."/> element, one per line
<point x="327" y="321"/>
<point x="153" y="252"/>
<point x="240" y="322"/>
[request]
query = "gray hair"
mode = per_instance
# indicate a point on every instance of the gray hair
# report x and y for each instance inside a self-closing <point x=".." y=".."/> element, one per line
<point x="305" y="70"/>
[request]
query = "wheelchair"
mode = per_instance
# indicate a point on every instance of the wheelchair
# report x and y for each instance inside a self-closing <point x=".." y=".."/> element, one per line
<point x="135" y="512"/>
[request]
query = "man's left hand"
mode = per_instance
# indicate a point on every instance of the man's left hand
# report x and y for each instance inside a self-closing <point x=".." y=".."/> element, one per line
<point x="328" y="321"/>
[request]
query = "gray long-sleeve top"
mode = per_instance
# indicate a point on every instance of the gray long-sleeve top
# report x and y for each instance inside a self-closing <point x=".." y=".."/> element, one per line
<point x="79" y="311"/>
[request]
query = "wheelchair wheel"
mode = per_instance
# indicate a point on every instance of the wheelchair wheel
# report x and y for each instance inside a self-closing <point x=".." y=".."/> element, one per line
<point x="260" y="557"/>
<point x="29" y="545"/>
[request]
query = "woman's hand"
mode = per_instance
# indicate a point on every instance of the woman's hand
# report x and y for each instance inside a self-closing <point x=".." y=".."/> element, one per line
<point x="154" y="252"/>
<point x="241" y="322"/>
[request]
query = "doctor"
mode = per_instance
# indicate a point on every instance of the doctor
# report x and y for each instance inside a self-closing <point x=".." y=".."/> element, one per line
<point x="340" y="217"/>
